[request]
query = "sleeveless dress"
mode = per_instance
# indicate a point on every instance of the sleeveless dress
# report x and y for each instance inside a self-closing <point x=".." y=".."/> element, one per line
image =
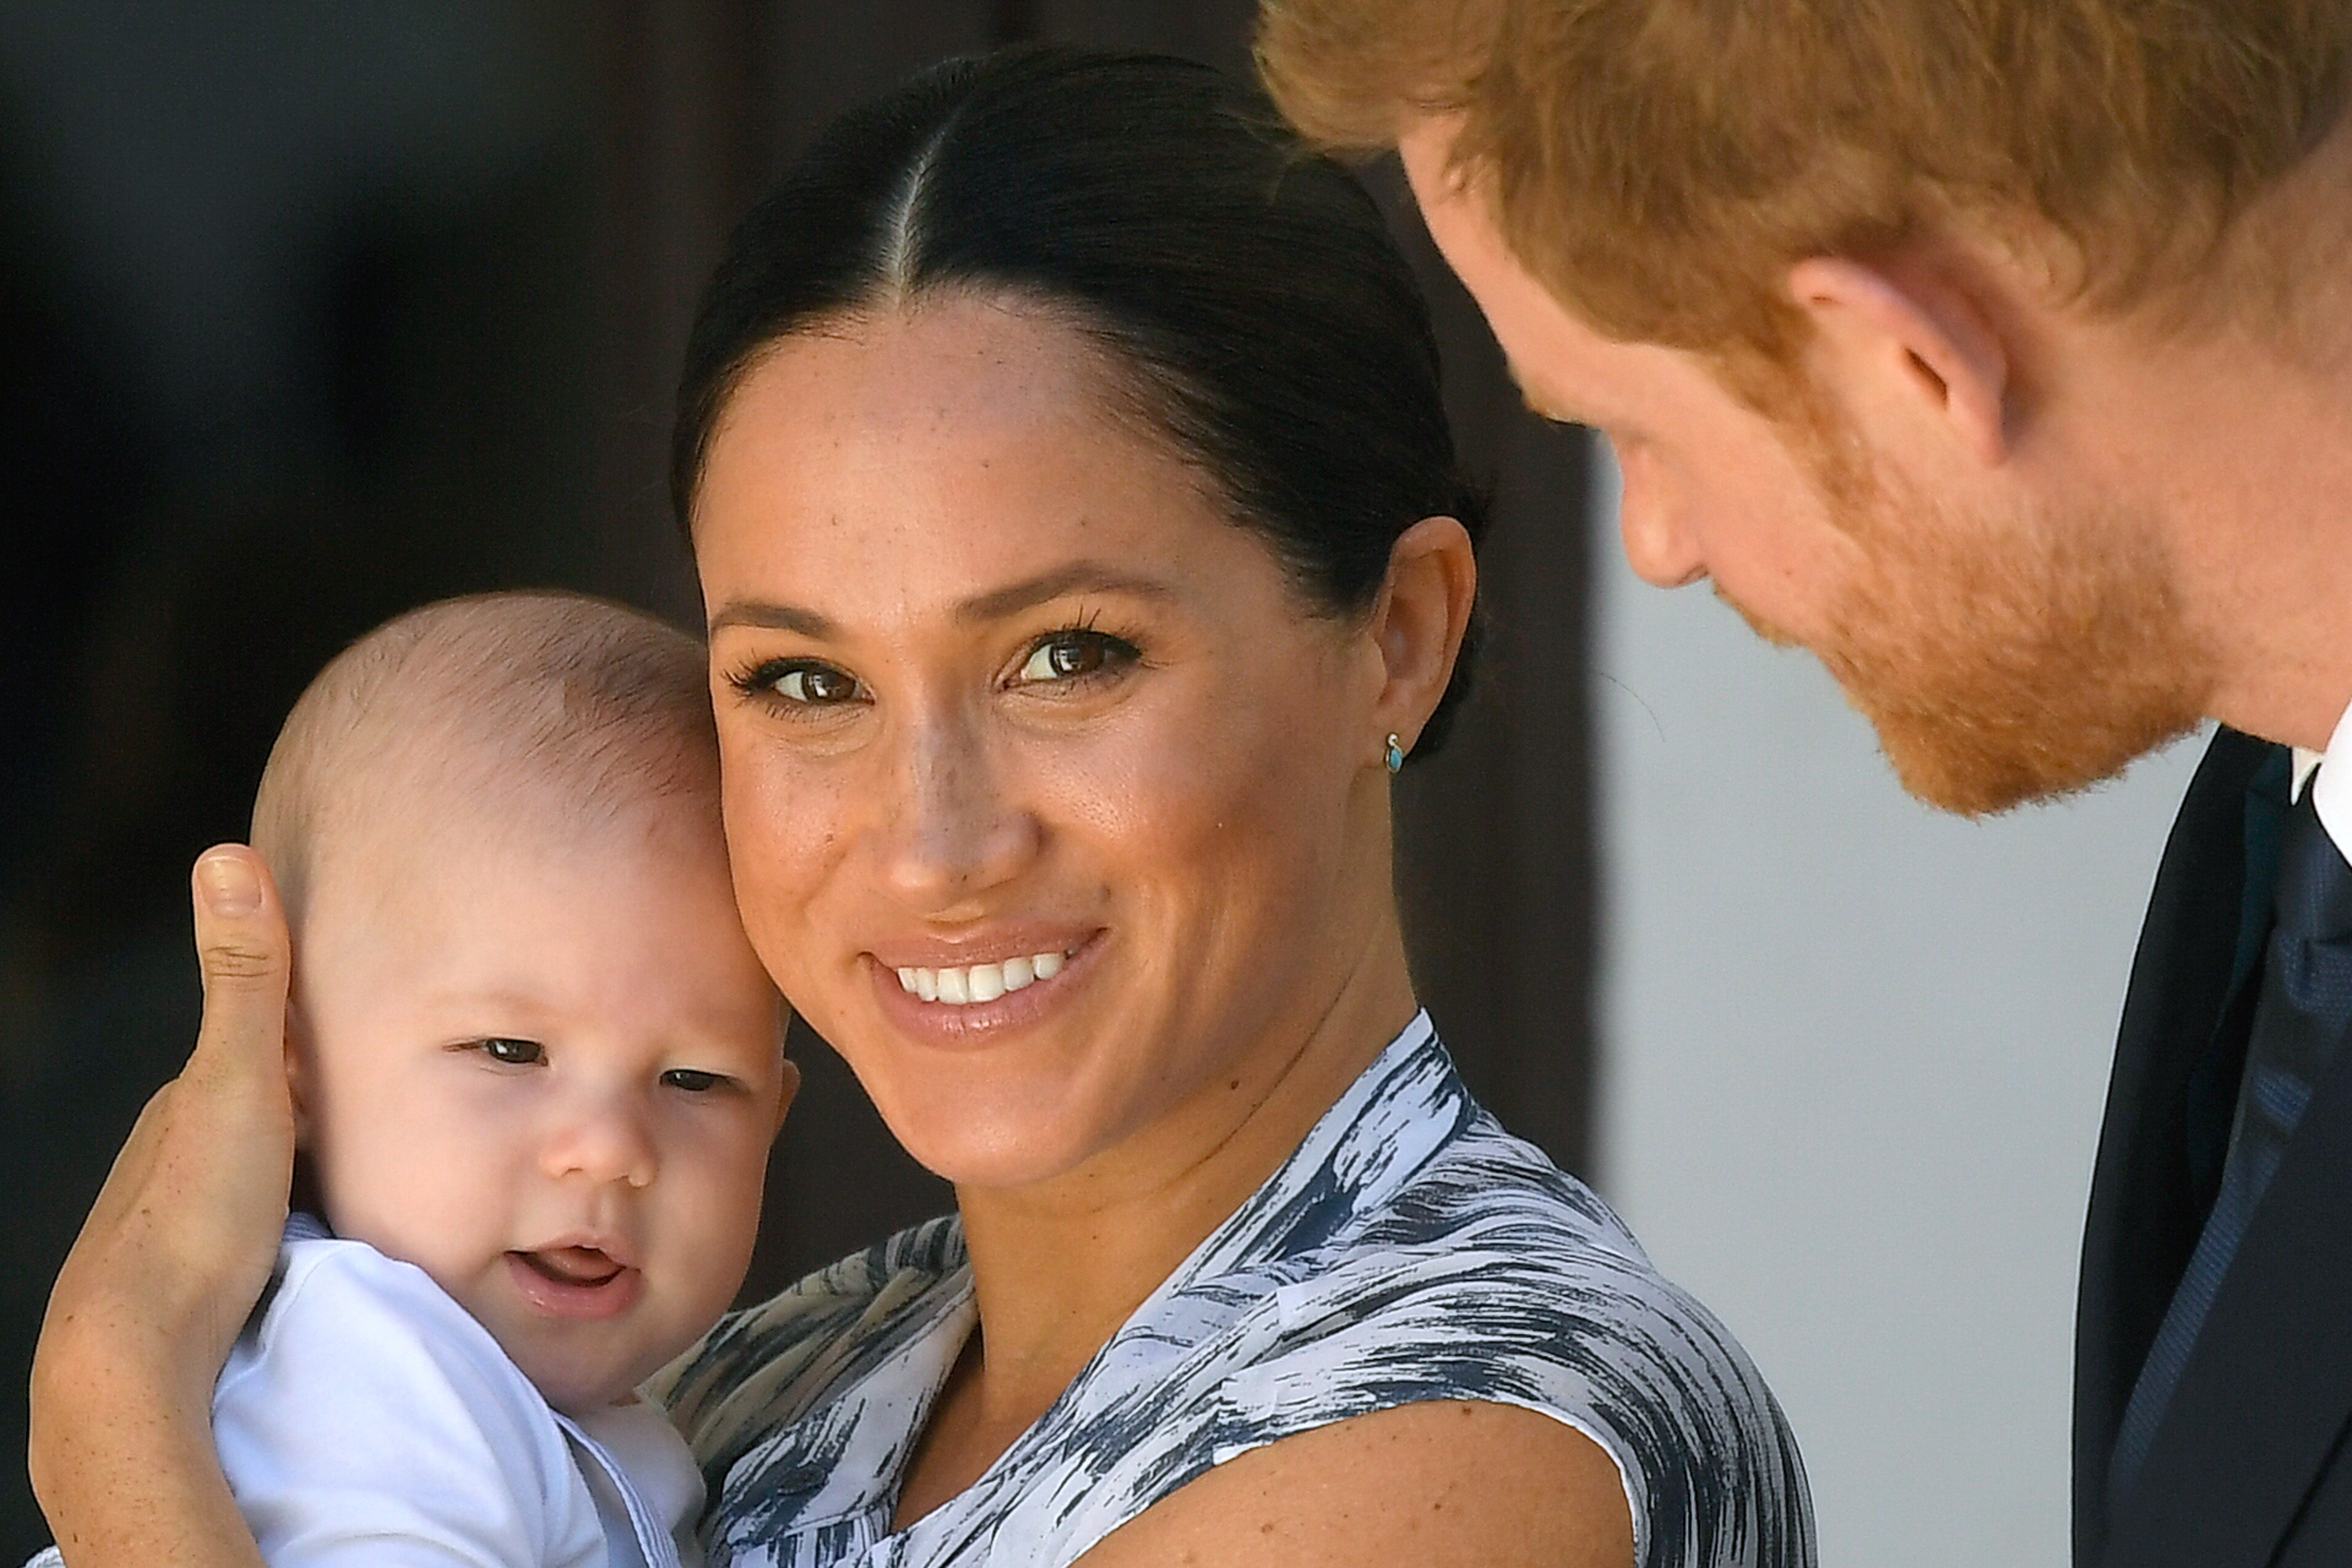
<point x="1409" y="1250"/>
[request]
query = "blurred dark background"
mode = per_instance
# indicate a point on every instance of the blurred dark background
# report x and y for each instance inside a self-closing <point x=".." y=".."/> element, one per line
<point x="309" y="313"/>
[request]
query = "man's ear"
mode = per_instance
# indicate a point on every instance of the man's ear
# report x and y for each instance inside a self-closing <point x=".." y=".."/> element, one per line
<point x="1912" y="340"/>
<point x="1419" y="624"/>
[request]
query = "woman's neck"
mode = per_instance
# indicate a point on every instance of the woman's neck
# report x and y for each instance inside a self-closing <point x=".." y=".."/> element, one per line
<point x="1058" y="1266"/>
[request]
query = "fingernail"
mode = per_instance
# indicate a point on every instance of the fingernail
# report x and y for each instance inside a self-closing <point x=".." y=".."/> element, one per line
<point x="230" y="887"/>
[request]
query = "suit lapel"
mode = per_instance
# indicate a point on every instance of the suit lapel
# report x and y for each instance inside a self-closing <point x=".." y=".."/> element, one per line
<point x="2178" y="1055"/>
<point x="2267" y="1389"/>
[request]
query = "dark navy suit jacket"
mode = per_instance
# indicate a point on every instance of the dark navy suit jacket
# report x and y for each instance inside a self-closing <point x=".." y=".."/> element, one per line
<point x="2250" y="1467"/>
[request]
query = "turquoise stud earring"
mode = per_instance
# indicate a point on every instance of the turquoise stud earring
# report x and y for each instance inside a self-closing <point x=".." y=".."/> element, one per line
<point x="1395" y="754"/>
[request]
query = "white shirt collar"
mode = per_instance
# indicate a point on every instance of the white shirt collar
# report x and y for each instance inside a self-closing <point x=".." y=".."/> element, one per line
<point x="2331" y="796"/>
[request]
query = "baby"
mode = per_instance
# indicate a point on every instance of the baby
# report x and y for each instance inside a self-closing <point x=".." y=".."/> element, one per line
<point x="537" y="1069"/>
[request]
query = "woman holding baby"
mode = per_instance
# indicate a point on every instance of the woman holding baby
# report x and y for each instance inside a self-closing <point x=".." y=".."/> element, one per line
<point x="1083" y="548"/>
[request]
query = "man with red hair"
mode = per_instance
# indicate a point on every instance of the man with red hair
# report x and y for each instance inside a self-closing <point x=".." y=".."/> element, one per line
<point x="2000" y="355"/>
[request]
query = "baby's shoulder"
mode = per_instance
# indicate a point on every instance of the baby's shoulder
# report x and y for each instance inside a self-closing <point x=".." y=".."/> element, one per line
<point x="340" y="1318"/>
<point x="361" y="1387"/>
<point x="327" y="1288"/>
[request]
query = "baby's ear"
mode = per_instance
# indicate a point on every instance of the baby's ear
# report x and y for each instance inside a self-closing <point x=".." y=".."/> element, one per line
<point x="297" y="1053"/>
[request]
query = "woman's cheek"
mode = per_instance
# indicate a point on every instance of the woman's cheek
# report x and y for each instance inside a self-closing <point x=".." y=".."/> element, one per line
<point x="783" y="822"/>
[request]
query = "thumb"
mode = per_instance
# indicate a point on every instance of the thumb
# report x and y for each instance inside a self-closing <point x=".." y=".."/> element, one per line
<point x="242" y="949"/>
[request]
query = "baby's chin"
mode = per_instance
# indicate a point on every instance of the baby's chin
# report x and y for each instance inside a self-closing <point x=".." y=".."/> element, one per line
<point x="579" y="1386"/>
<point x="576" y="1392"/>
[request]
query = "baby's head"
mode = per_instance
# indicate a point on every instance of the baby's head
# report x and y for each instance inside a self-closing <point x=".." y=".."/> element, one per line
<point x="533" y="1052"/>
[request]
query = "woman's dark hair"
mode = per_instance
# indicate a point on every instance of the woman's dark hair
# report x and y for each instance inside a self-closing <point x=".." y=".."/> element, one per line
<point x="1247" y="288"/>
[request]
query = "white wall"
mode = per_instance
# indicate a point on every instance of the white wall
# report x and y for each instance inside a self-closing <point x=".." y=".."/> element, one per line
<point x="1853" y="1059"/>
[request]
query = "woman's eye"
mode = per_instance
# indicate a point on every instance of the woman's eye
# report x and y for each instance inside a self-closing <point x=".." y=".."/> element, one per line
<point x="694" y="1081"/>
<point x="802" y="683"/>
<point x="513" y="1053"/>
<point x="1074" y="655"/>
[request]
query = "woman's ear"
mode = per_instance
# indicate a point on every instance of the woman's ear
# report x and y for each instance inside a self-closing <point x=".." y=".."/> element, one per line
<point x="1911" y="341"/>
<point x="1418" y="624"/>
<point x="788" y="1084"/>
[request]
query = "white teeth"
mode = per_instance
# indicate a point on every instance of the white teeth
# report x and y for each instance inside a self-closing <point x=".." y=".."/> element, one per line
<point x="979" y="981"/>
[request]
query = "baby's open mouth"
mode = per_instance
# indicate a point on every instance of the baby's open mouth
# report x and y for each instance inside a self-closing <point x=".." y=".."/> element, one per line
<point x="573" y="1265"/>
<point x="577" y="1281"/>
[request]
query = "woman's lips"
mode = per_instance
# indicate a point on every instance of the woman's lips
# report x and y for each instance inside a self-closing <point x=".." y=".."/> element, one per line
<point x="965" y="1003"/>
<point x="576" y="1282"/>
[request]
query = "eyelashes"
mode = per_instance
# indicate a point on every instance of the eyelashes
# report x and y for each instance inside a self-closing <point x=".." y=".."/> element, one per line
<point x="1078" y="653"/>
<point x="509" y="1052"/>
<point x="797" y="683"/>
<point x="1071" y="658"/>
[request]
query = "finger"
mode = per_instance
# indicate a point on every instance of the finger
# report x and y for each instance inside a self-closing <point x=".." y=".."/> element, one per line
<point x="242" y="950"/>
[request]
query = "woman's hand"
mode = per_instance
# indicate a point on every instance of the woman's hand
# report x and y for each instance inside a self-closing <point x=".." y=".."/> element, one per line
<point x="173" y="1255"/>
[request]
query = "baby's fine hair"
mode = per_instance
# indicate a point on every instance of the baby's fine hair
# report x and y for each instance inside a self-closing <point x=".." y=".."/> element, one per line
<point x="550" y="708"/>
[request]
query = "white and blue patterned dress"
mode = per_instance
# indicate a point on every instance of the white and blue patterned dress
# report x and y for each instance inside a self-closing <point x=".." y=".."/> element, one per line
<point x="1410" y="1250"/>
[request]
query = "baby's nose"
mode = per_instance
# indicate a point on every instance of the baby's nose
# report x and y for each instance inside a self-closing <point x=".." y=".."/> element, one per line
<point x="605" y="1142"/>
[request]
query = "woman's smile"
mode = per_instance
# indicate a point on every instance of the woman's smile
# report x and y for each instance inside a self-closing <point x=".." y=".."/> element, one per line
<point x="980" y="1003"/>
<point x="979" y="982"/>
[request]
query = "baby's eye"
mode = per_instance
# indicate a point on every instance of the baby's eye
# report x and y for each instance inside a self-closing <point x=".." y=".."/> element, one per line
<point x="513" y="1053"/>
<point x="694" y="1081"/>
<point x="1074" y="654"/>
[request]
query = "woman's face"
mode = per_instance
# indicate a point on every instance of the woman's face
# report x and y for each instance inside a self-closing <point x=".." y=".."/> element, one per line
<point x="1051" y="804"/>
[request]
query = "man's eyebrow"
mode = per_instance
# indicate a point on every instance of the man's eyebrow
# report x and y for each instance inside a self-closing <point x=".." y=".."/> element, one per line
<point x="1077" y="577"/>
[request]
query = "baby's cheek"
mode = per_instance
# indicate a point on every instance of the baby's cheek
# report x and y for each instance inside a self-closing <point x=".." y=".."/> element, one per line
<point x="721" y="1214"/>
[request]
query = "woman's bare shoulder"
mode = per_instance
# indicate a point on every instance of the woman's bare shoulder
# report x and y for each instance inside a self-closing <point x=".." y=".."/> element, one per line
<point x="1436" y="1483"/>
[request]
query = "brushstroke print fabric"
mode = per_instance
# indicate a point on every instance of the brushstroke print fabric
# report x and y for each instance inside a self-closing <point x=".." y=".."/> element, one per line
<point x="1410" y="1250"/>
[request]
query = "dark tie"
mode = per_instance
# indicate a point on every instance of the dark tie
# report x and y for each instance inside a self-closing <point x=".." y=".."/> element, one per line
<point x="2301" y="1016"/>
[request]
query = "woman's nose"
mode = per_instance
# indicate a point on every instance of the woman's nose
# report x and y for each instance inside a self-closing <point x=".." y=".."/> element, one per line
<point x="604" y="1139"/>
<point x="1659" y="545"/>
<point x="954" y="829"/>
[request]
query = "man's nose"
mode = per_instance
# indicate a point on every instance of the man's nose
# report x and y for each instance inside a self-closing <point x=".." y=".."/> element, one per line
<point x="1659" y="544"/>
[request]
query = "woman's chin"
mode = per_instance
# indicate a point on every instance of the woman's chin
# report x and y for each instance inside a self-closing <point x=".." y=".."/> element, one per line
<point x="983" y="1133"/>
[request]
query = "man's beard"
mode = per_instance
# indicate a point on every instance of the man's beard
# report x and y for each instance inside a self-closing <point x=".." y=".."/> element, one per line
<point x="2002" y="665"/>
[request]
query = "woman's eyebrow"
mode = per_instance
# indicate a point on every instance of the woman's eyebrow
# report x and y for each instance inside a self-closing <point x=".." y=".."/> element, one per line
<point x="770" y="617"/>
<point x="1077" y="577"/>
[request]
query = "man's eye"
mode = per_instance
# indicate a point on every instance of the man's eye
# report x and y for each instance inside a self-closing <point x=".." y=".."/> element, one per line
<point x="694" y="1081"/>
<point x="513" y="1053"/>
<point x="1074" y="655"/>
